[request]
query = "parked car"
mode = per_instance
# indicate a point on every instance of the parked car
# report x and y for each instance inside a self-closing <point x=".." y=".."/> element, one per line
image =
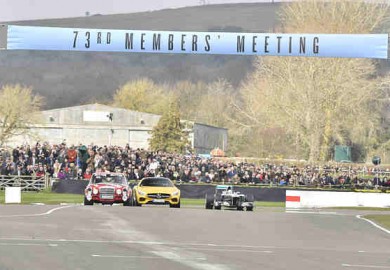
<point x="224" y="196"/>
<point x="108" y="188"/>
<point x="156" y="190"/>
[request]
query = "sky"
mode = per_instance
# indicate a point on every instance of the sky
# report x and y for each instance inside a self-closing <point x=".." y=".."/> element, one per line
<point x="18" y="10"/>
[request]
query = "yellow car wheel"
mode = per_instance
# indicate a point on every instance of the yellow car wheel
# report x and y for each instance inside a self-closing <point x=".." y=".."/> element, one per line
<point x="134" y="201"/>
<point x="175" y="205"/>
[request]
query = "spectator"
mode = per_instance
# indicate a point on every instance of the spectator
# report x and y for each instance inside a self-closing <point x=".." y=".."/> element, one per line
<point x="56" y="168"/>
<point x="61" y="175"/>
<point x="88" y="174"/>
<point x="81" y="162"/>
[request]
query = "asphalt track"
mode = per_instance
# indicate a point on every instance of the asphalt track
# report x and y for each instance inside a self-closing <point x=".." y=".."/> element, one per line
<point x="116" y="237"/>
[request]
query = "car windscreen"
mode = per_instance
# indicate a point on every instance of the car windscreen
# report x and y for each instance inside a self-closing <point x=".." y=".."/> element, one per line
<point x="108" y="179"/>
<point x="156" y="182"/>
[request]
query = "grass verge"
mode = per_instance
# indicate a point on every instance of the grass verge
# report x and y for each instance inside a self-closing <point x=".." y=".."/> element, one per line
<point x="383" y="220"/>
<point x="47" y="197"/>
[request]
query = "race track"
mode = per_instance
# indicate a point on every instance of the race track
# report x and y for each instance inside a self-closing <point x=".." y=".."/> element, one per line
<point x="116" y="237"/>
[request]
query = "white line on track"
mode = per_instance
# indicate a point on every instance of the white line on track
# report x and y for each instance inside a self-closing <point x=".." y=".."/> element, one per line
<point x="365" y="266"/>
<point x="134" y="242"/>
<point x="232" y="246"/>
<point x="136" y="257"/>
<point x="119" y="256"/>
<point x="231" y="250"/>
<point x="374" y="224"/>
<point x="311" y="212"/>
<point x="41" y="214"/>
<point x="28" y="244"/>
<point x="180" y="245"/>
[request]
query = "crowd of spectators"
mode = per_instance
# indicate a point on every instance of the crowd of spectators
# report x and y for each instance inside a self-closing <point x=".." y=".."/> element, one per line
<point x="64" y="161"/>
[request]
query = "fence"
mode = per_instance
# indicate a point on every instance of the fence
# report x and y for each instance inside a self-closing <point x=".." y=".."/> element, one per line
<point x="27" y="183"/>
<point x="30" y="183"/>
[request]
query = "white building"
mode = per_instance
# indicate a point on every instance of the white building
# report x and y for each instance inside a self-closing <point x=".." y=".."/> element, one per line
<point x="105" y="125"/>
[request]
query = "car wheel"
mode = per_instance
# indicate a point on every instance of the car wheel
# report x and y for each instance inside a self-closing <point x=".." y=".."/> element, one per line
<point x="209" y="202"/>
<point x="86" y="202"/>
<point x="127" y="202"/>
<point x="249" y="208"/>
<point x="134" y="200"/>
<point x="175" y="205"/>
<point x="219" y="207"/>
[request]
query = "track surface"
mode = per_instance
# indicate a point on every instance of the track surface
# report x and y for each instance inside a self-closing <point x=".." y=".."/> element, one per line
<point x="105" y="237"/>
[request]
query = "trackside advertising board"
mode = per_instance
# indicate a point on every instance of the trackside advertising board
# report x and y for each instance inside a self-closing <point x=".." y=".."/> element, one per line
<point x="177" y="42"/>
<point x="318" y="199"/>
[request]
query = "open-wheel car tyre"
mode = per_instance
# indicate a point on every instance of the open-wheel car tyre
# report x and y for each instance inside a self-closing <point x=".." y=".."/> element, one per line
<point x="209" y="202"/>
<point x="250" y="198"/>
<point x="219" y="207"/>
<point x="86" y="202"/>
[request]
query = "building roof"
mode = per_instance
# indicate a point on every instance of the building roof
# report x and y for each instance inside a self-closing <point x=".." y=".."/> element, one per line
<point x="95" y="106"/>
<point x="97" y="114"/>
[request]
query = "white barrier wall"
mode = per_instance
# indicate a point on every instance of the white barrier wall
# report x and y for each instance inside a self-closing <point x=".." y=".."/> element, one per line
<point x="313" y="199"/>
<point x="13" y="195"/>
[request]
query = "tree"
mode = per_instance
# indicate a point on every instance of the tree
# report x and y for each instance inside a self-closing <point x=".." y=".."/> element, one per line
<point x="189" y="96"/>
<point x="212" y="109"/>
<point x="168" y="135"/>
<point x="320" y="102"/>
<point x="18" y="111"/>
<point x="142" y="95"/>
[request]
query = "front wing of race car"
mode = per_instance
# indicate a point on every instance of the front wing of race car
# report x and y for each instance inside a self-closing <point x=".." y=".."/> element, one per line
<point x="229" y="204"/>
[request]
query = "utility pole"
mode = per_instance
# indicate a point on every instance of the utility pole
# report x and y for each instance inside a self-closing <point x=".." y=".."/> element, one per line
<point x="110" y="117"/>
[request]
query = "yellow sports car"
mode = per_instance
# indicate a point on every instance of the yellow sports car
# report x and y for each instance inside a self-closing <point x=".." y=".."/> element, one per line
<point x="156" y="190"/>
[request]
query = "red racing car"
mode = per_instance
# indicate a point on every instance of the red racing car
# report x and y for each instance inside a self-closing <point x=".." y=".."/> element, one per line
<point x="107" y="188"/>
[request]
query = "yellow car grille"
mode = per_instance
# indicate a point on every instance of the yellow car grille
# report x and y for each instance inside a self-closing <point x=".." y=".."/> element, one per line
<point x="159" y="195"/>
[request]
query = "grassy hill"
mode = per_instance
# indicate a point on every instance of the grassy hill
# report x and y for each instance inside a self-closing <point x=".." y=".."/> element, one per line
<point x="67" y="79"/>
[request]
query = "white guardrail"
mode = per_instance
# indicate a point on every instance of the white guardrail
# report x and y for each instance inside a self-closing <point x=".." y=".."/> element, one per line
<point x="319" y="199"/>
<point x="26" y="183"/>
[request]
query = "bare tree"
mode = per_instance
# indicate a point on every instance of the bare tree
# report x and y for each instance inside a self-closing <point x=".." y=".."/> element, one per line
<point x="320" y="101"/>
<point x="19" y="111"/>
<point x="189" y="97"/>
<point x="212" y="108"/>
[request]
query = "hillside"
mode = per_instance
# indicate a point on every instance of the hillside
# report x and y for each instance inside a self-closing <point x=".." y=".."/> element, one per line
<point x="67" y="79"/>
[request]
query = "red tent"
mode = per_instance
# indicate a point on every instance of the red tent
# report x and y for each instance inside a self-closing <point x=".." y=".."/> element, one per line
<point x="216" y="152"/>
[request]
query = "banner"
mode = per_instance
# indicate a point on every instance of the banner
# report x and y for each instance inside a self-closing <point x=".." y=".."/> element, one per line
<point x="173" y="42"/>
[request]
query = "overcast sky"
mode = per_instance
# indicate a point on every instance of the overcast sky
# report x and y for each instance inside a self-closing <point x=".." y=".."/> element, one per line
<point x="15" y="10"/>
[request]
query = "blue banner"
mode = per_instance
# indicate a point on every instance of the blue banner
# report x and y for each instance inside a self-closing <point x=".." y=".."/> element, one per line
<point x="137" y="41"/>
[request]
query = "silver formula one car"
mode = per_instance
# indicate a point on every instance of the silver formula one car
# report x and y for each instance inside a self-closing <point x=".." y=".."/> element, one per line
<point x="224" y="196"/>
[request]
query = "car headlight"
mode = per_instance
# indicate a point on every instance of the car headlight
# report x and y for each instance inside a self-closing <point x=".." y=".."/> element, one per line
<point x="140" y="192"/>
<point x="175" y="193"/>
<point x="95" y="191"/>
<point x="119" y="191"/>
